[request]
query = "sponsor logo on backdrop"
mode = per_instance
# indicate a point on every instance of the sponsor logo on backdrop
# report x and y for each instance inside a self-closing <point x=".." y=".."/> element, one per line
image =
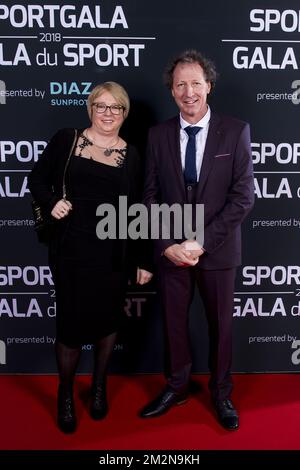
<point x="134" y="306"/>
<point x="276" y="293"/>
<point x="30" y="340"/>
<point x="13" y="223"/>
<point x="89" y="347"/>
<point x="291" y="93"/>
<point x="276" y="223"/>
<point x="272" y="56"/>
<point x="277" y="188"/>
<point x="272" y="178"/>
<point x="66" y="16"/>
<point x="69" y="93"/>
<point x="45" y="340"/>
<point x="22" y="307"/>
<point x="28" y="292"/>
<point x="261" y="307"/>
<point x="2" y="353"/>
<point x="271" y="153"/>
<point x="29" y="298"/>
<point x="19" y="93"/>
<point x="285" y="338"/>
<point x="22" y="151"/>
<point x="52" y="46"/>
<point x="14" y="276"/>
<point x="277" y="50"/>
<point x="284" y="343"/>
<point x="61" y="93"/>
<point x="13" y="186"/>
<point x="2" y="92"/>
<point x="296" y="354"/>
<point x="262" y="57"/>
<point x="296" y="95"/>
<point x="279" y="96"/>
<point x="271" y="275"/>
<point x="13" y="180"/>
<point x="115" y="47"/>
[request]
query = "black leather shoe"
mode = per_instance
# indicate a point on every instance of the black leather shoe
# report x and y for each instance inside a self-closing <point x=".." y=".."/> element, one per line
<point x="66" y="418"/>
<point x="99" y="407"/>
<point x="227" y="414"/>
<point x="163" y="403"/>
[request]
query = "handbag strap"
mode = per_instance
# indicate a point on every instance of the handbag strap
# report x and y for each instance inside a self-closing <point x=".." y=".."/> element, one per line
<point x="67" y="163"/>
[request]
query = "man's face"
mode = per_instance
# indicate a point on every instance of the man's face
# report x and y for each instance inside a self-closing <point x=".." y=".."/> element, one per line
<point x="190" y="91"/>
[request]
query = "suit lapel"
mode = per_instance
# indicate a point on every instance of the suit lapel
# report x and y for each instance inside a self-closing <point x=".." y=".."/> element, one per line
<point x="174" y="152"/>
<point x="211" y="147"/>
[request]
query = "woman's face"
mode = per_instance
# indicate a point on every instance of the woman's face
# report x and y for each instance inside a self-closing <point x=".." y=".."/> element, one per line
<point x="107" y="120"/>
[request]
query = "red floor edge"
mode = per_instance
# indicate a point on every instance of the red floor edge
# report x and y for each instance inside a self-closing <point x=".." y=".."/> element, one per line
<point x="268" y="404"/>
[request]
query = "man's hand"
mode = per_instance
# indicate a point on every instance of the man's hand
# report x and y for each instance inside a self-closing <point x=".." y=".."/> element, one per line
<point x="180" y="256"/>
<point x="193" y="247"/>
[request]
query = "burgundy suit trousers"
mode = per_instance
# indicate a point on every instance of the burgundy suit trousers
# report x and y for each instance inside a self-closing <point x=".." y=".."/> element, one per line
<point x="216" y="288"/>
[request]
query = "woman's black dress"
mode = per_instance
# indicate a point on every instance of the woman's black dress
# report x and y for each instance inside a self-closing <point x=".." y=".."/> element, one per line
<point x="90" y="285"/>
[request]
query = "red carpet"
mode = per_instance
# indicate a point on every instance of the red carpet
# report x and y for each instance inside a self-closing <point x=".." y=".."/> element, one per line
<point x="269" y="406"/>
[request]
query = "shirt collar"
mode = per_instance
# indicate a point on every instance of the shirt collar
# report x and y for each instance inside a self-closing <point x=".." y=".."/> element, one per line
<point x="202" y="123"/>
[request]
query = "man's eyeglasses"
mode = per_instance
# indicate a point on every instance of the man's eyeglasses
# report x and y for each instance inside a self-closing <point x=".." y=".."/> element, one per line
<point x="114" y="108"/>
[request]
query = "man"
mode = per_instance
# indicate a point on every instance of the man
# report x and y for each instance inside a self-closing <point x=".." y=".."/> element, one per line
<point x="199" y="157"/>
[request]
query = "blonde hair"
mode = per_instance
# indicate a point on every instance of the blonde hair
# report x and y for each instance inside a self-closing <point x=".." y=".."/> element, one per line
<point x="116" y="90"/>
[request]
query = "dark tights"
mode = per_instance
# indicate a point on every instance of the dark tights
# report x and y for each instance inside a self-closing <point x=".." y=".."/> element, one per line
<point x="102" y="353"/>
<point x="67" y="361"/>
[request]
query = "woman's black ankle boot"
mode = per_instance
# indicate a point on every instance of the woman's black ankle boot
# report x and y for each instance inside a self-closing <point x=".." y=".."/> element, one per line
<point x="66" y="418"/>
<point x="99" y="407"/>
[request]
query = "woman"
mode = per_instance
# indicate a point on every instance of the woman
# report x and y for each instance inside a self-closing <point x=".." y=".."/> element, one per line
<point x="79" y="170"/>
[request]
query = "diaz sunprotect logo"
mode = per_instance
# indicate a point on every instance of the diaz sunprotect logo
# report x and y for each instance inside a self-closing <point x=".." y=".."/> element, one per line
<point x="2" y="92"/>
<point x="2" y="353"/>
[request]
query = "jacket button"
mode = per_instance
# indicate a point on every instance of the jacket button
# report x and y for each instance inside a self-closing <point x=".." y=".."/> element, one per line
<point x="189" y="188"/>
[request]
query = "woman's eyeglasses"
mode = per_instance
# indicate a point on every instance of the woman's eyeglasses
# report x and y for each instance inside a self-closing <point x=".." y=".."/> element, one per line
<point x="114" y="108"/>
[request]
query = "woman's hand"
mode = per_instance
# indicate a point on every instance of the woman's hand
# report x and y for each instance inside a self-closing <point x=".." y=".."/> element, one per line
<point x="143" y="276"/>
<point x="61" y="209"/>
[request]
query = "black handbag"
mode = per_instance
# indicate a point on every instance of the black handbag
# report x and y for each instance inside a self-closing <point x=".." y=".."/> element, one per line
<point x="39" y="220"/>
<point x="43" y="223"/>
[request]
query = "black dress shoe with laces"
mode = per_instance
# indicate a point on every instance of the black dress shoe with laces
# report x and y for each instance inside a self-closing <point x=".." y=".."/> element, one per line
<point x="66" y="418"/>
<point x="163" y="403"/>
<point x="227" y="414"/>
<point x="99" y="407"/>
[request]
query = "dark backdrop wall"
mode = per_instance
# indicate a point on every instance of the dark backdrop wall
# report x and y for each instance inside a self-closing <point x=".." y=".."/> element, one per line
<point x="51" y="55"/>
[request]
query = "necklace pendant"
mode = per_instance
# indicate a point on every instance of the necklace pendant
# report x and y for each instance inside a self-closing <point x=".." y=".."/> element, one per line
<point x="108" y="152"/>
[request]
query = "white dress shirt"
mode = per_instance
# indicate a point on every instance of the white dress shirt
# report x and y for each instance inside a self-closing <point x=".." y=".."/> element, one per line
<point x="200" y="139"/>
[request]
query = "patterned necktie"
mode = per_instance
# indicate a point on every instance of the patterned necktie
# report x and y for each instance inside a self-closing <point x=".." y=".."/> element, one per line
<point x="190" y="171"/>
